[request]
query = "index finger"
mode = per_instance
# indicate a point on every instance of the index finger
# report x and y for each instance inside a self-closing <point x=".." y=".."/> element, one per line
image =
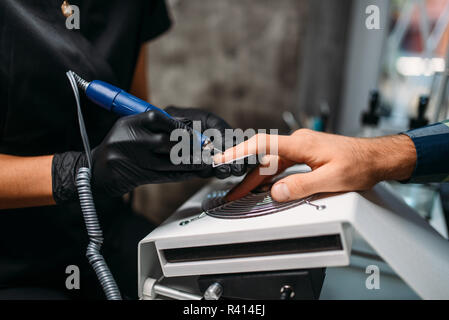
<point x="260" y="144"/>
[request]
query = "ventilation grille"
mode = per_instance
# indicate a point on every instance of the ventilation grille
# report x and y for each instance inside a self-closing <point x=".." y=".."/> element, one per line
<point x="255" y="249"/>
<point x="252" y="205"/>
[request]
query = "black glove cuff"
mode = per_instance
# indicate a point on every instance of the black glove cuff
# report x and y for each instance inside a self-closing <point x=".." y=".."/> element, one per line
<point x="63" y="170"/>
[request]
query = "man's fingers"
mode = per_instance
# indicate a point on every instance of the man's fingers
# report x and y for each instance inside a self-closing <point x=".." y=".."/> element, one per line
<point x="299" y="186"/>
<point x="254" y="178"/>
<point x="258" y="144"/>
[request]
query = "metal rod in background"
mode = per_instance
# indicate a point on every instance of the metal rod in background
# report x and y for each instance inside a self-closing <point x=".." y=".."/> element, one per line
<point x="174" y="293"/>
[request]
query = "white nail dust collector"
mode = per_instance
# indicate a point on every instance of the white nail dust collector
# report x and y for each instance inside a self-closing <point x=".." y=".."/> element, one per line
<point x="255" y="248"/>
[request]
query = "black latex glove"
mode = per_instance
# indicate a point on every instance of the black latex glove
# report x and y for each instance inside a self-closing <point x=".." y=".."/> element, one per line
<point x="136" y="151"/>
<point x="209" y="121"/>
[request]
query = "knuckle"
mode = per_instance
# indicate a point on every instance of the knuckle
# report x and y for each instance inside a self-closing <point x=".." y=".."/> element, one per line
<point x="121" y="121"/>
<point x="306" y="137"/>
<point x="302" y="131"/>
<point x="119" y="126"/>
<point x="151" y="116"/>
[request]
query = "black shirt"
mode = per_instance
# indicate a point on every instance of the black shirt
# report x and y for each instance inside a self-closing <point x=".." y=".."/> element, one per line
<point x="38" y="114"/>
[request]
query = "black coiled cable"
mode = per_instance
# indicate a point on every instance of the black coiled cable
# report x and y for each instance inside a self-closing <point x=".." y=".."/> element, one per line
<point x="94" y="231"/>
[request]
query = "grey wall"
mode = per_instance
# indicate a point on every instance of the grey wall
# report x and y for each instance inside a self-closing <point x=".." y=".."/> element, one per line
<point x="364" y="55"/>
<point x="323" y="57"/>
<point x="246" y="60"/>
<point x="238" y="58"/>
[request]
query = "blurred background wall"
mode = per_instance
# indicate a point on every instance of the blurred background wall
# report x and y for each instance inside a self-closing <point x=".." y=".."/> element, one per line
<point x="247" y="61"/>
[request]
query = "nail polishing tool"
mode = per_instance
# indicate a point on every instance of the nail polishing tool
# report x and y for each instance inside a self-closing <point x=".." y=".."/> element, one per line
<point x="123" y="103"/>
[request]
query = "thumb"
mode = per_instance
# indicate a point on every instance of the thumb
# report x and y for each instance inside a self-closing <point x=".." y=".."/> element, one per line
<point x="299" y="186"/>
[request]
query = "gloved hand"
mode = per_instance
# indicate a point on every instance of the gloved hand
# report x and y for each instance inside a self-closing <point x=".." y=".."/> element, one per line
<point x="136" y="151"/>
<point x="209" y="121"/>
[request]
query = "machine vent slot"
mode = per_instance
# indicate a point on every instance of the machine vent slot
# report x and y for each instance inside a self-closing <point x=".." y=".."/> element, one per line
<point x="254" y="249"/>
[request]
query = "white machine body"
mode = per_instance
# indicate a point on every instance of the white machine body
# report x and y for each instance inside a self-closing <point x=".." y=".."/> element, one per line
<point x="198" y="230"/>
<point x="192" y="243"/>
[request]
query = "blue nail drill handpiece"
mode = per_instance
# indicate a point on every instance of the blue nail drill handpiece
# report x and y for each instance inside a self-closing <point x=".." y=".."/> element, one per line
<point x="121" y="102"/>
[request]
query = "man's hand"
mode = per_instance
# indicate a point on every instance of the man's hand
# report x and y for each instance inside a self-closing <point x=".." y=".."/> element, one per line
<point x="338" y="163"/>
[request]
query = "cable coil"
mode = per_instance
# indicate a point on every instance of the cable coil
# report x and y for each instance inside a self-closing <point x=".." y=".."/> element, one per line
<point x="93" y="254"/>
<point x="94" y="231"/>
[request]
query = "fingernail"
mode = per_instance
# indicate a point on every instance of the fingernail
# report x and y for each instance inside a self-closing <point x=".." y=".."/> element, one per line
<point x="280" y="192"/>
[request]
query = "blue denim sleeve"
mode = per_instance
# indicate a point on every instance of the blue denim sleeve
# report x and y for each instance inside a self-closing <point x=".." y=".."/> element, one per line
<point x="432" y="149"/>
